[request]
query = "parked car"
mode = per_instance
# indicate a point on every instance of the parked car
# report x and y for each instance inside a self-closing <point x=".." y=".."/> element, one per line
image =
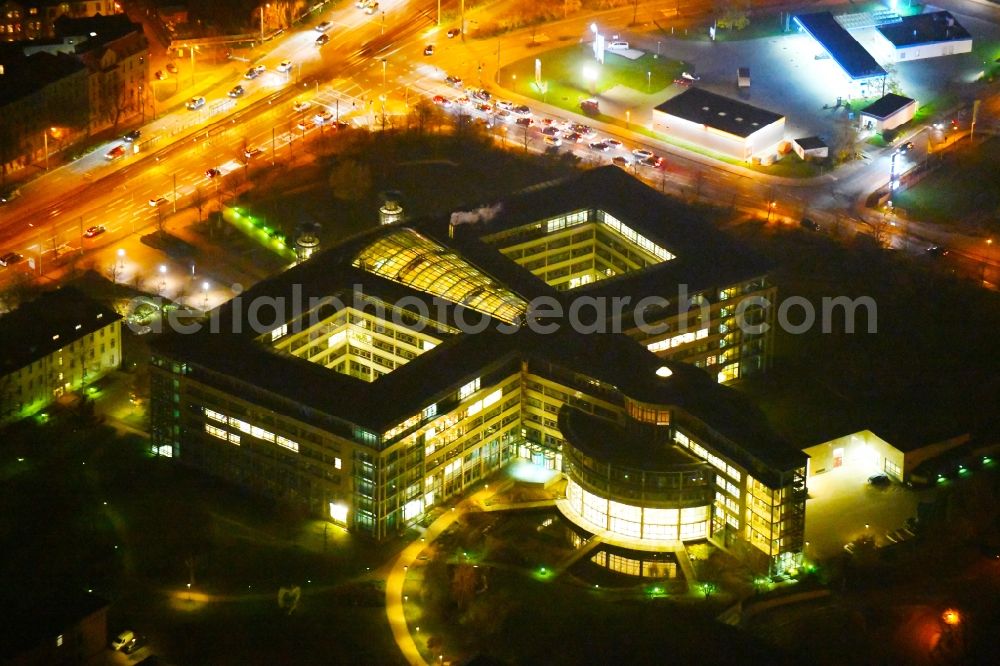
<point x="481" y="94"/>
<point x="641" y="153"/>
<point x="284" y="66"/>
<point x="305" y="125"/>
<point x="599" y="146"/>
<point x="91" y="232"/>
<point x="806" y="223"/>
<point x="172" y="68"/>
<point x="550" y="131"/>
<point x="122" y="640"/>
<point x="454" y="32"/>
<point x="301" y="106"/>
<point x="323" y="117"/>
<point x="372" y="8"/>
<point x="251" y="153"/>
<point x="553" y="141"/>
<point x="440" y="100"/>
<point x="524" y="122"/>
<point x="323" y="27"/>
<point x="505" y="104"/>
<point x="237" y="91"/>
<point x="429" y="50"/>
<point x="879" y="480"/>
<point x="160" y="76"/>
<point x="621" y="161"/>
<point x="9" y="194"/>
<point x="323" y="40"/>
<point x="212" y="172"/>
<point x="572" y="137"/>
<point x="195" y="103"/>
<point x="132" y="136"/>
<point x="156" y="202"/>
<point x="255" y="71"/>
<point x="453" y="81"/>
<point x="10" y="259"/>
<point x="682" y="82"/>
<point x="652" y="161"/>
<point x="521" y="110"/>
<point x="133" y="645"/>
<point x="618" y="46"/>
<point x="115" y="153"/>
<point x="615" y="144"/>
<point x="690" y="77"/>
<point x="906" y="147"/>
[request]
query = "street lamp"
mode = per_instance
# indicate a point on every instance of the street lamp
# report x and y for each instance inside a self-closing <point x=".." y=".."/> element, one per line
<point x="384" y="63"/>
<point x="121" y="258"/>
<point x="770" y="209"/>
<point x="163" y="277"/>
<point x="590" y="73"/>
<point x="204" y="288"/>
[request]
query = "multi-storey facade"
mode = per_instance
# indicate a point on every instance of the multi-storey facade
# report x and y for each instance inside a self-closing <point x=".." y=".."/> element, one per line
<point x="56" y="344"/>
<point x="384" y="376"/>
<point x="35" y="19"/>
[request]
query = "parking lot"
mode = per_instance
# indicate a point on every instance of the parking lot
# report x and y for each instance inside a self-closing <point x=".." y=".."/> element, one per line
<point x="787" y="78"/>
<point x="843" y="506"/>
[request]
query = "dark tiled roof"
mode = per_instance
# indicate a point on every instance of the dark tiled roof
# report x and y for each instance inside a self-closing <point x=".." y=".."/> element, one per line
<point x="846" y="51"/>
<point x="42" y="617"/>
<point x="26" y="75"/>
<point x="26" y="334"/>
<point x="108" y="28"/>
<point x="810" y="143"/>
<point x="887" y="105"/>
<point x="723" y="113"/>
<point x="924" y="29"/>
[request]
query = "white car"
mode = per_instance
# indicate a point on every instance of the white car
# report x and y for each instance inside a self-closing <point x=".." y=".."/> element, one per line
<point x="505" y="104"/>
<point x="323" y="27"/>
<point x="285" y="66"/>
<point x="618" y="46"/>
<point x="642" y="153"/>
<point x="301" y="106"/>
<point x="553" y="141"/>
<point x="196" y="103"/>
<point x="323" y="117"/>
<point x="122" y="640"/>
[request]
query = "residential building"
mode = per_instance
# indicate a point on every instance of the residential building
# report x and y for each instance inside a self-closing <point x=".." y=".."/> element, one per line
<point x="55" y="344"/>
<point x="35" y="19"/>
<point x="68" y="629"/>
<point x="402" y="367"/>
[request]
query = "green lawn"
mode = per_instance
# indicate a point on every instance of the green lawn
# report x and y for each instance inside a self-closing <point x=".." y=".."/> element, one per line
<point x="959" y="191"/>
<point x="564" y="82"/>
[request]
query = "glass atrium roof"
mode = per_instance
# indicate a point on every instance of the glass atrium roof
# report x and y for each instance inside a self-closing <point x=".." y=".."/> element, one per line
<point x="406" y="257"/>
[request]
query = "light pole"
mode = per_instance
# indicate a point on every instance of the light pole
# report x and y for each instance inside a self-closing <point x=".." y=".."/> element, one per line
<point x="204" y="288"/>
<point x="385" y="62"/>
<point x="513" y="82"/>
<point x="268" y="6"/>
<point x="121" y="258"/>
<point x="628" y="117"/>
<point x="163" y="278"/>
<point x="770" y="208"/>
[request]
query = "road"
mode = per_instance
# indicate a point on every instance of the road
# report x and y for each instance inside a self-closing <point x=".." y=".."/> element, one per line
<point x="380" y="67"/>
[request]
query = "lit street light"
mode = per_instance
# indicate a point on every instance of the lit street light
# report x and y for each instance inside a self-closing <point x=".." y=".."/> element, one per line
<point x="770" y="209"/>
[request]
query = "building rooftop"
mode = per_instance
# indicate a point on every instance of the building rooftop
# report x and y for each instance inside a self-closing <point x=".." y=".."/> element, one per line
<point x="26" y="75"/>
<point x="51" y="321"/>
<point x="106" y="29"/>
<point x="722" y="113"/>
<point x="929" y="28"/>
<point x="810" y="143"/>
<point x="846" y="51"/>
<point x="886" y="105"/>
<point x="613" y="443"/>
<point x="474" y="283"/>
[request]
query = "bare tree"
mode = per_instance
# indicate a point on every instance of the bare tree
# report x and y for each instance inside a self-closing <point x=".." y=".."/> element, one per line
<point x="350" y="180"/>
<point x="198" y="201"/>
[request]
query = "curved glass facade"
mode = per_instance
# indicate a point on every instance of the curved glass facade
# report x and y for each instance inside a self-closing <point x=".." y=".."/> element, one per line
<point x="636" y="522"/>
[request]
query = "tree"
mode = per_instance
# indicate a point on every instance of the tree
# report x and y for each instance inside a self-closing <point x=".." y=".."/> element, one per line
<point x="350" y="179"/>
<point x="463" y="585"/>
<point x="198" y="200"/>
<point x="844" y="141"/>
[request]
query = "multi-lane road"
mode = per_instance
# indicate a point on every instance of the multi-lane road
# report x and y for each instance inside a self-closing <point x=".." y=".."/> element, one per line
<point x="371" y="63"/>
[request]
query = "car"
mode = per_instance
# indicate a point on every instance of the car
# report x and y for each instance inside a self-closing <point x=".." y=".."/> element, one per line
<point x="641" y="153"/>
<point x="621" y="161"/>
<point x="599" y="146"/>
<point x="906" y="147"/>
<point x="521" y="110"/>
<point x="251" y="153"/>
<point x="156" y="202"/>
<point x="160" y="75"/>
<point x="132" y="136"/>
<point x="9" y="194"/>
<point x="323" y="117"/>
<point x="91" y="232"/>
<point x="255" y="71"/>
<point x="682" y="82"/>
<point x="550" y="131"/>
<point x="115" y="153"/>
<point x="849" y="548"/>
<point x="503" y="114"/>
<point x="618" y="46"/>
<point x="212" y="172"/>
<point x="590" y="106"/>
<point x="505" y="104"/>
<point x="323" y="27"/>
<point x="134" y="645"/>
<point x="614" y="143"/>
<point x="172" y="68"/>
<point x="453" y="81"/>
<point x="454" y="32"/>
<point x="371" y="8"/>
<point x="429" y="50"/>
<point x="553" y="141"/>
<point x="195" y="103"/>
<point x="938" y="125"/>
<point x="481" y="94"/>
<point x="122" y="640"/>
<point x="285" y="66"/>
<point x="652" y="161"/>
<point x="879" y="480"/>
<point x="572" y="137"/>
<point x="305" y="125"/>
<point x="585" y="131"/>
<point x="463" y="101"/>
<point x="937" y="251"/>
<point x="10" y="259"/>
<point x="323" y="40"/>
<point x="806" y="223"/>
<point x="485" y="108"/>
<point x="237" y="91"/>
<point x="361" y="4"/>
<point x="440" y="100"/>
<point x="690" y="77"/>
<point x="301" y="105"/>
<point x="524" y="122"/>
